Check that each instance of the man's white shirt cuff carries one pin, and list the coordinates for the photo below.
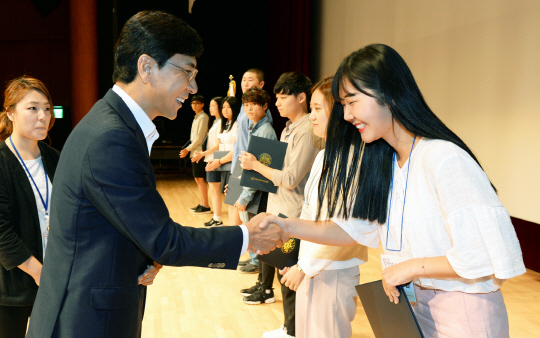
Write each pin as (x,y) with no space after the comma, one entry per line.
(245,232)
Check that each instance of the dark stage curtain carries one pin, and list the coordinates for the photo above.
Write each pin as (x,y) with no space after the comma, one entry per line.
(289,45)
(273,35)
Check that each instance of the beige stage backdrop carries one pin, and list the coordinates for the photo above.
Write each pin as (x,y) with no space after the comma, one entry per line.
(477,64)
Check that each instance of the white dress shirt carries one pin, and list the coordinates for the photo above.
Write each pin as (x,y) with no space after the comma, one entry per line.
(151,134)
(148,127)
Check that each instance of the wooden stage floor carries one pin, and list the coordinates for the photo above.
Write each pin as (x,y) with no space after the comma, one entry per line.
(205,303)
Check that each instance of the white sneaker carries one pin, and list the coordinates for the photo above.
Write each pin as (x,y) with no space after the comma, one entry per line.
(278,333)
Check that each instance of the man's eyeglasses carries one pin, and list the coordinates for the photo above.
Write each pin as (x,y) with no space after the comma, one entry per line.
(190,73)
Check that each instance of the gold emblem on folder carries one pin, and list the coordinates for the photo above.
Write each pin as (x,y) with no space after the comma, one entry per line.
(289,246)
(265,159)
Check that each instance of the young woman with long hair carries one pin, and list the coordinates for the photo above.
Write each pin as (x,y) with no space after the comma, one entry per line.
(212,144)
(325,276)
(392,168)
(230,109)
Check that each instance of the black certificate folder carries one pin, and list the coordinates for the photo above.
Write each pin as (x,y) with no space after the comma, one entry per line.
(388,320)
(269,152)
(224,166)
(285,256)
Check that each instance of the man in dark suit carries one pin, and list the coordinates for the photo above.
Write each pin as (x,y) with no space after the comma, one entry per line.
(108,222)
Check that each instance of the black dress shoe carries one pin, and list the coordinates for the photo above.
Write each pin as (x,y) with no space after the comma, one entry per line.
(242,263)
(202,210)
(212,223)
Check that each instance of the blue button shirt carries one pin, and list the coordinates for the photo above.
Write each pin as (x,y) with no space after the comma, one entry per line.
(262,129)
(242,139)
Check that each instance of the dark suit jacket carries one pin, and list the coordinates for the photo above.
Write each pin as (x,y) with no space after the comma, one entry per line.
(20,235)
(107,223)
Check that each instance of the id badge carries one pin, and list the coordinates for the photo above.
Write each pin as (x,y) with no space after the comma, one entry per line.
(306,211)
(388,260)
(46,232)
(45,237)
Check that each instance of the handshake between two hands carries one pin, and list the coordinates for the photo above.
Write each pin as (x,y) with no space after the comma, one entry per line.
(266,232)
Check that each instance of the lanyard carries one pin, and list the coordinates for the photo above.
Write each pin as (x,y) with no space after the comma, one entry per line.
(404,198)
(46,201)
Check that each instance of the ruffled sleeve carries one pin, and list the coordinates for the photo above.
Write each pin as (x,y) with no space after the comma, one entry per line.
(486,245)
(483,238)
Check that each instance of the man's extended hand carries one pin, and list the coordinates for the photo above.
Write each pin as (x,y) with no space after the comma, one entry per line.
(264,240)
(269,219)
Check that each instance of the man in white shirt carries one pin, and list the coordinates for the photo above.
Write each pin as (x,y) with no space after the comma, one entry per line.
(108,221)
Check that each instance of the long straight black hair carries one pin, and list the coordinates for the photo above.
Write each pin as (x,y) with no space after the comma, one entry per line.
(235,106)
(358,186)
(219,101)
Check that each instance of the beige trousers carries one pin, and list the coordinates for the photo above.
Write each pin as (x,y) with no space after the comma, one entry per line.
(326,304)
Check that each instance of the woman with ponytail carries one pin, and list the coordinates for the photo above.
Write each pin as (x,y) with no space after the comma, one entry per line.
(212,144)
(27,167)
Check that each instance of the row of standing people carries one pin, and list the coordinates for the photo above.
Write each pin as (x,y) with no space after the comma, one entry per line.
(319,298)
(304,134)
(253,118)
(229,132)
(453,238)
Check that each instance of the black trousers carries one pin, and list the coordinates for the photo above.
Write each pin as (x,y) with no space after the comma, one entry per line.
(266,277)
(13,321)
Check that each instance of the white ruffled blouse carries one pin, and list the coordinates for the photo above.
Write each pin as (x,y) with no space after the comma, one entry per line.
(451,210)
